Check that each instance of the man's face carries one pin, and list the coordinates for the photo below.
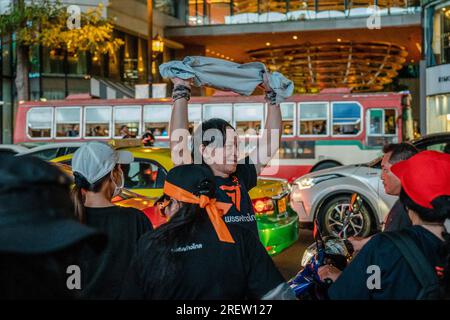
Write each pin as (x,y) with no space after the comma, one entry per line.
(392,184)
(223,158)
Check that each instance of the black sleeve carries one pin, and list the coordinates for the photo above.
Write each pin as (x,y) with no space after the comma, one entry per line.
(246,173)
(262,274)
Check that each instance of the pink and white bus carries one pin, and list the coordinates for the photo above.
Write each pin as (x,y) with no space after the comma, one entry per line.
(334,127)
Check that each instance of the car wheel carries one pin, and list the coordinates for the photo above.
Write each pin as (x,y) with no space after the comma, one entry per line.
(325,165)
(331,218)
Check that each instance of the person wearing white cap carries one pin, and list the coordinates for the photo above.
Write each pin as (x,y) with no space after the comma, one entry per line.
(98,179)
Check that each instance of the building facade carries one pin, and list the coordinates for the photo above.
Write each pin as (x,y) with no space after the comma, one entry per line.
(437,57)
(55,75)
(317,43)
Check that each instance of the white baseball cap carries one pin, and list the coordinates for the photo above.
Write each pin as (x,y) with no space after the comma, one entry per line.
(96,159)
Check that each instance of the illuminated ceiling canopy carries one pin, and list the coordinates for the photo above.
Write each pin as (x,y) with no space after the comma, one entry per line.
(362,66)
(251,6)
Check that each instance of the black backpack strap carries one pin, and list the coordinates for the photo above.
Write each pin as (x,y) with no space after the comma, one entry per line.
(419,264)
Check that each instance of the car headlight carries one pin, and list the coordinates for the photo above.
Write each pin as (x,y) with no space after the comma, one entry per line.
(307,182)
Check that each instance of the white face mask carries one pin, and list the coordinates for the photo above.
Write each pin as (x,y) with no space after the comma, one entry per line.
(117,188)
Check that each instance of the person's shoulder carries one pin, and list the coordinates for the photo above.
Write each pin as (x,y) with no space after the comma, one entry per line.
(379,241)
(131,213)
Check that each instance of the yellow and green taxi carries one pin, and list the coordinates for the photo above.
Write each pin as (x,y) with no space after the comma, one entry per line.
(277,224)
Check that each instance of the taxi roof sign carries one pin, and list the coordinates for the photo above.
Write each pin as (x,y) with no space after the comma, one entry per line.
(125,143)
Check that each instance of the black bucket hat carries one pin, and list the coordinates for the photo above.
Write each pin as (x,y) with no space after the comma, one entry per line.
(36,211)
(195,178)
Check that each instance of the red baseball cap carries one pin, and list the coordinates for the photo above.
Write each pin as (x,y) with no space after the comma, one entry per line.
(425,176)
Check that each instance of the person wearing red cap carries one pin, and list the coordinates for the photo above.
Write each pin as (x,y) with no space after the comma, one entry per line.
(414,262)
(196,255)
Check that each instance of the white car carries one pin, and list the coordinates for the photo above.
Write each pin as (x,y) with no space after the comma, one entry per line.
(52,150)
(326,193)
(12,148)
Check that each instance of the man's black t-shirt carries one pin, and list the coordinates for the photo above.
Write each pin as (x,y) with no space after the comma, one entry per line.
(208,269)
(398,282)
(235,189)
(102,277)
(397,218)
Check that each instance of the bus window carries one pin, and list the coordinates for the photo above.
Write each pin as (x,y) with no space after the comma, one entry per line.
(156,119)
(68,122)
(194,116)
(248,118)
(97,122)
(313,118)
(221,111)
(129,116)
(375,122)
(346,118)
(287,116)
(381,126)
(39,122)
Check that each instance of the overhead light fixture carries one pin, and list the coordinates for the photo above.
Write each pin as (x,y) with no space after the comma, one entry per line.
(268,44)
(339,39)
(295,37)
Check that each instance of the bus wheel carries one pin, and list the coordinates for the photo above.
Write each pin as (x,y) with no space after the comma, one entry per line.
(331,218)
(325,165)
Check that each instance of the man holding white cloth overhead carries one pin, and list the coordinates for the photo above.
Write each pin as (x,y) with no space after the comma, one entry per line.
(215,142)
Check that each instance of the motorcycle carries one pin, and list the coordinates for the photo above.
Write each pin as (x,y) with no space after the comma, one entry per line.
(336,251)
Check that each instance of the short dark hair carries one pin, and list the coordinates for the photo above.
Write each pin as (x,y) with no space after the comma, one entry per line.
(199,134)
(400,151)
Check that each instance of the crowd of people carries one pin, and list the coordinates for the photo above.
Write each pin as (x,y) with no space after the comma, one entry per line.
(209,248)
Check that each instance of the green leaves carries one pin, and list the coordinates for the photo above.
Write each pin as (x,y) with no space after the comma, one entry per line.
(45,23)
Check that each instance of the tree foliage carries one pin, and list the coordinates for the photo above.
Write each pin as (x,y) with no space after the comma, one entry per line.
(45,23)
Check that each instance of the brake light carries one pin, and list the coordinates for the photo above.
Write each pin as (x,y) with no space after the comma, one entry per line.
(263,206)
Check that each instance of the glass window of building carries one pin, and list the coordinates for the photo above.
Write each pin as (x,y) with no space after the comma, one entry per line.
(97,122)
(313,118)
(39,122)
(438,115)
(166,6)
(194,116)
(287,116)
(221,111)
(196,15)
(346,118)
(248,118)
(68,122)
(156,119)
(445,35)
(127,121)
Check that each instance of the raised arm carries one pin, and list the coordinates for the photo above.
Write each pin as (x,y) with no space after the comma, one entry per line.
(179,125)
(270,140)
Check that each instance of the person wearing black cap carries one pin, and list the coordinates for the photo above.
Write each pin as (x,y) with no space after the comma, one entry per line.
(411,263)
(196,255)
(98,179)
(39,236)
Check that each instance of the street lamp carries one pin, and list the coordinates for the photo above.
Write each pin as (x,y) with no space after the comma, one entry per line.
(157,46)
(150,45)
